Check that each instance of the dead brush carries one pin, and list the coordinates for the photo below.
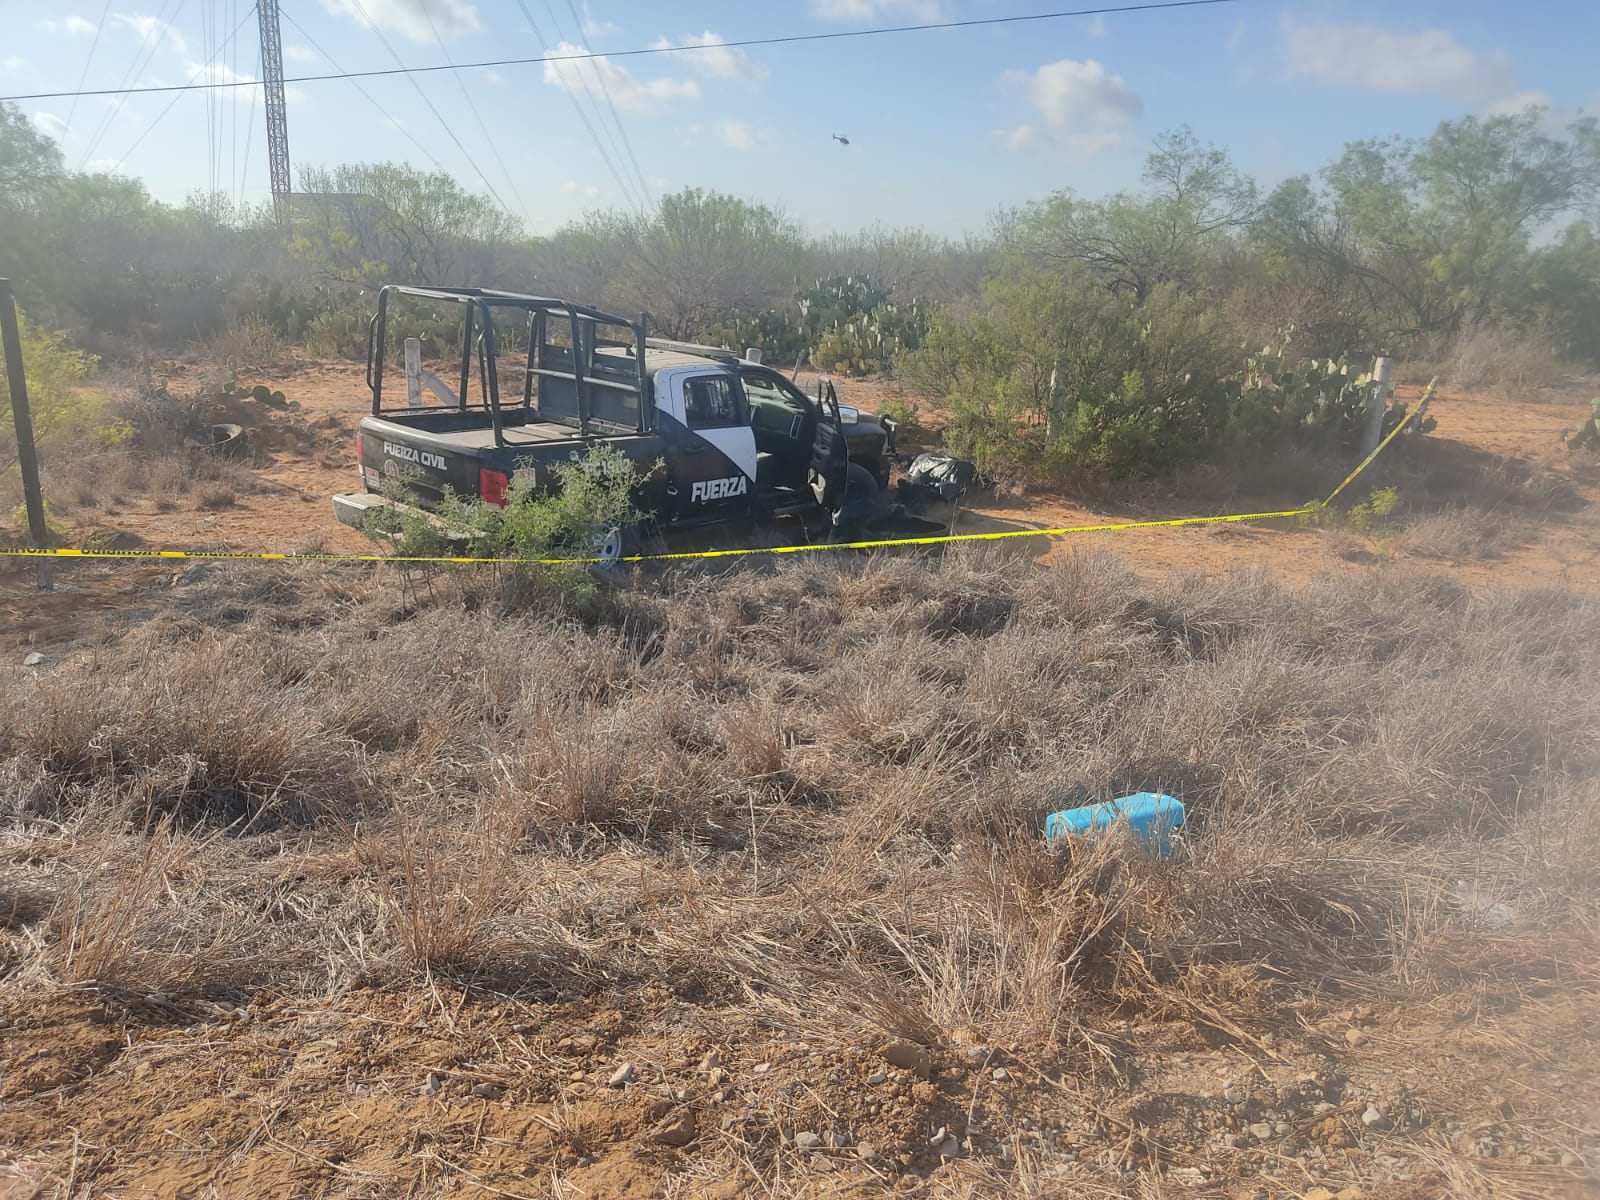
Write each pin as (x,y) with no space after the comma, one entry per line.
(1457,535)
(442,893)
(129,928)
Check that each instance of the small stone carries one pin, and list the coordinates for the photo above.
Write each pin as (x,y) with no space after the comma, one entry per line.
(623,1075)
(1354,1036)
(908,1056)
(1261,1131)
(1322,1108)
(866,1152)
(716,1077)
(1281,1128)
(488,1091)
(1001,1075)
(762,1068)
(1232,1095)
(1571,1160)
(808,1140)
(433,1084)
(1320,1193)
(837,1141)
(1373,1119)
(710,1062)
(878,1077)
(677,1131)
(33,660)
(1350,1193)
(950,1148)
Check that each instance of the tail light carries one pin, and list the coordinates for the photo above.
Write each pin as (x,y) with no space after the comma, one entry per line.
(494,487)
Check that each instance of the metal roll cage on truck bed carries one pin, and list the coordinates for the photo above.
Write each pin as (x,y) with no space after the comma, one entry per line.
(715,436)
(543,358)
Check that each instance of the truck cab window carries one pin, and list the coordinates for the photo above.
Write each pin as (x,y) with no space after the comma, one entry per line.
(711,403)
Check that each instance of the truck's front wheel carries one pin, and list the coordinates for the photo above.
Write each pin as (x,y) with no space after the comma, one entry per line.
(863,500)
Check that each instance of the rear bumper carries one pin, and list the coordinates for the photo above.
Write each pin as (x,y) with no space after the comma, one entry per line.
(352,509)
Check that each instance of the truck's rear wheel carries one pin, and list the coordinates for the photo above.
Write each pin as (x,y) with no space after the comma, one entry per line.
(617,543)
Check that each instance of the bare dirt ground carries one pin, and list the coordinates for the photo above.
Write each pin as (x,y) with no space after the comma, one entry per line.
(1472,1072)
(1550,532)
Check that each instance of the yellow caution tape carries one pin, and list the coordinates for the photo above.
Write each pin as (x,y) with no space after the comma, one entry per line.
(874,544)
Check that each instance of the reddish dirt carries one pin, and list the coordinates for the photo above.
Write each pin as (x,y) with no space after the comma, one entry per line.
(304,456)
(441,1092)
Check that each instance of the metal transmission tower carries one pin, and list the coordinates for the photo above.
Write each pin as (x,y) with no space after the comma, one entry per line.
(277,117)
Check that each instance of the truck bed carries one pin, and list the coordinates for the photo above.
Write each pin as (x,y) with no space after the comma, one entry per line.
(468,431)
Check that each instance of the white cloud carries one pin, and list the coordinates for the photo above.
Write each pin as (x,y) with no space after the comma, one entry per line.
(1518,102)
(49,123)
(151,30)
(222,73)
(301,54)
(1097,26)
(601,76)
(104,166)
(1384,60)
(715,57)
(417,19)
(594,27)
(11,63)
(737,135)
(866,10)
(72,26)
(494,76)
(1082,108)
(569,186)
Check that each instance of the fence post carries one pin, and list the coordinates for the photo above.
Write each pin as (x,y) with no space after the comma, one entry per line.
(1377,404)
(27,459)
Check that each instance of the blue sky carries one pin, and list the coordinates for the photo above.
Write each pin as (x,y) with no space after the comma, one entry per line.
(944,127)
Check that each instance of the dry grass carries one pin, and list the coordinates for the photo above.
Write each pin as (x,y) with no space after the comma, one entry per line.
(1456,535)
(811,796)
(182,479)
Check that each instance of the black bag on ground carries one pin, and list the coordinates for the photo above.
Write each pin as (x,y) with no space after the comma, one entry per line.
(935,477)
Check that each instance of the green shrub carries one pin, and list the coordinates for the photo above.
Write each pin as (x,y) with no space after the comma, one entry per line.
(61,407)
(338,333)
(592,496)
(252,344)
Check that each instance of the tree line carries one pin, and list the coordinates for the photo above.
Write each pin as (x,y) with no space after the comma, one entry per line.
(1089,329)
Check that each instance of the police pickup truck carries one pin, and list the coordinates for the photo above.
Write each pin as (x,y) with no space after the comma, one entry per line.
(717,436)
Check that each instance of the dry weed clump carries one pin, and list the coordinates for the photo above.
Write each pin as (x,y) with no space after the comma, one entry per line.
(812,790)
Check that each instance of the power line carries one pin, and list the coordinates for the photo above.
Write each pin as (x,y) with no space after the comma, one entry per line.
(785,40)
(146,48)
(87,63)
(598,68)
(577,106)
(352,77)
(173,102)
(466,95)
(451,133)
(605,88)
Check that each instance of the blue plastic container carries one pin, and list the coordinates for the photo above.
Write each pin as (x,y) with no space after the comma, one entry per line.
(1152,816)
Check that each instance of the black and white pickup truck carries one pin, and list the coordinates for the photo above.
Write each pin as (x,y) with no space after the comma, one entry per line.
(718,437)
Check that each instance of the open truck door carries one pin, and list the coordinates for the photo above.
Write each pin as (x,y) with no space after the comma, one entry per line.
(830,455)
